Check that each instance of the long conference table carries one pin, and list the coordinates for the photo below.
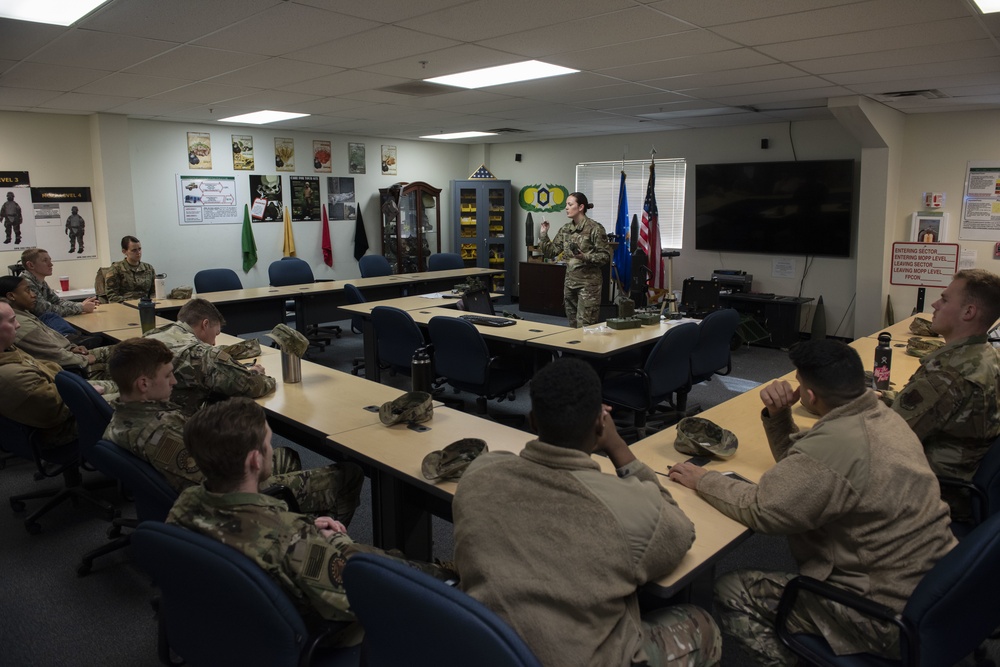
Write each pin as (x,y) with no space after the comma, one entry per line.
(335,414)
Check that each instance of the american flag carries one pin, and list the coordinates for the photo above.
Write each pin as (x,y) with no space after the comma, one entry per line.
(649,231)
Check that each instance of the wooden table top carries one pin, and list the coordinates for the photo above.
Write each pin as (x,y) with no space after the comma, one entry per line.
(109,317)
(577,341)
(520,331)
(900,331)
(225,296)
(416,302)
(903,365)
(468,271)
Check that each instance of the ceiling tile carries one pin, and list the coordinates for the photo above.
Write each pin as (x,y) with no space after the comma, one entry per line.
(342,83)
(915,55)
(650,50)
(444,61)
(275,72)
(176,20)
(697,64)
(48,77)
(131,85)
(25,97)
(206,93)
(90,103)
(924,70)
(19,39)
(704,13)
(367,48)
(195,62)
(99,50)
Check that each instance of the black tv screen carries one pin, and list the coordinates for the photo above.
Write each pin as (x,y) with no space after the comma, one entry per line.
(787,208)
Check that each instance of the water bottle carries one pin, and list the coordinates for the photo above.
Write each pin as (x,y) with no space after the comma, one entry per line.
(147,314)
(883,360)
(421,374)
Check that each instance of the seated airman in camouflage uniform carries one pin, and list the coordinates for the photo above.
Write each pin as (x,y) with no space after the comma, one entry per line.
(583,244)
(231,444)
(952,402)
(146,423)
(854,495)
(130,278)
(558,548)
(202,370)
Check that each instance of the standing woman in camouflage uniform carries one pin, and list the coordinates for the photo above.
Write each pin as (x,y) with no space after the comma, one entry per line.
(130,278)
(583,245)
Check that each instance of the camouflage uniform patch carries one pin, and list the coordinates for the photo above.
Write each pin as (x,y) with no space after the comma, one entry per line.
(582,290)
(681,636)
(124,281)
(746,602)
(203,371)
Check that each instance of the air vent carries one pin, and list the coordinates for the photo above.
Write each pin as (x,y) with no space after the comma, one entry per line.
(419,89)
(506,130)
(929,94)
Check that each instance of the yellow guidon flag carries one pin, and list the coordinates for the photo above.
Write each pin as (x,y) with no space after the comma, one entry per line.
(288,247)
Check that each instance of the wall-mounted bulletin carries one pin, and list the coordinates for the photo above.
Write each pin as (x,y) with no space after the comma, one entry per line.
(207,200)
(342,200)
(321,157)
(389,160)
(355,158)
(981,208)
(242,152)
(305,197)
(199,150)
(284,153)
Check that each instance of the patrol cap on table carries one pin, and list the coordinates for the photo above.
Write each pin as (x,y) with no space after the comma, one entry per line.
(701,437)
(245,349)
(289,340)
(413,406)
(921,327)
(451,462)
(921,347)
(182,292)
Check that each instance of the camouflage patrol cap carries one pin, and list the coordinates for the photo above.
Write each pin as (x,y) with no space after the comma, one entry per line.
(182,292)
(701,437)
(921,347)
(246,349)
(413,406)
(921,327)
(449,463)
(289,340)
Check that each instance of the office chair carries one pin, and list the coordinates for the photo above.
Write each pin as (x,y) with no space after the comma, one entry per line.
(152,494)
(295,271)
(951,611)
(463,360)
(218,607)
(100,284)
(397,337)
(712,355)
(354,295)
(667,371)
(444,261)
(983,490)
(412,619)
(63,460)
(216,280)
(374,265)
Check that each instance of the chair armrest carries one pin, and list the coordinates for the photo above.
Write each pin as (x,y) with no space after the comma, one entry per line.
(978,499)
(282,492)
(908,636)
(328,630)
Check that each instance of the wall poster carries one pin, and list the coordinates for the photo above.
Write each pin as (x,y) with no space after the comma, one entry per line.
(981,202)
(284,153)
(242,152)
(16,211)
(389,160)
(208,200)
(355,158)
(266,197)
(305,197)
(321,156)
(341,198)
(199,150)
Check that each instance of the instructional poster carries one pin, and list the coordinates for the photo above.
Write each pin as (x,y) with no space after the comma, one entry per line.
(208,200)
(981,202)
(16,211)
(64,222)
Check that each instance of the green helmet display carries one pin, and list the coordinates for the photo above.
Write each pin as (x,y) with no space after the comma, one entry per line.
(701,437)
(449,463)
(921,327)
(921,347)
(411,407)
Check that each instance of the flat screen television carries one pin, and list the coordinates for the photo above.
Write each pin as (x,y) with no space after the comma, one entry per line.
(787,208)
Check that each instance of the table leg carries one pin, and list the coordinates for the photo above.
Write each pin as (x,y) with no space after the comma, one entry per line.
(397,521)
(372,370)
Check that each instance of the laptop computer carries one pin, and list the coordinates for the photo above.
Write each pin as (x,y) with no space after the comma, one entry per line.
(478,301)
(699,298)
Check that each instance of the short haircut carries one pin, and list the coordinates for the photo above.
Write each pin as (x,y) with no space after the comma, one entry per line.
(219,438)
(832,370)
(983,289)
(128,239)
(565,401)
(31,255)
(136,357)
(9,284)
(196,310)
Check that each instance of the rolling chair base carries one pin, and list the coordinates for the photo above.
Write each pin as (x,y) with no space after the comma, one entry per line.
(74,490)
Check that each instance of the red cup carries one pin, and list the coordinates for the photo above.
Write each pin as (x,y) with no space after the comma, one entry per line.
(64,283)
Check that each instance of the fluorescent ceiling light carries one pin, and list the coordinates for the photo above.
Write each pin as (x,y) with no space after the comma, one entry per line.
(495,76)
(57,12)
(459,135)
(262,117)
(988,6)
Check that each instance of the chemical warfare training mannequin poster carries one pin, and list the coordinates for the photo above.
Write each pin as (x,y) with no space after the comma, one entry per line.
(64,222)
(16,212)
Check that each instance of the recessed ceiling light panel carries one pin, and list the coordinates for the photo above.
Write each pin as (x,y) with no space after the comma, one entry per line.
(262,117)
(988,6)
(459,135)
(56,12)
(496,76)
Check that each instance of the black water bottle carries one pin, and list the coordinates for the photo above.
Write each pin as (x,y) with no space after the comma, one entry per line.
(421,375)
(883,361)
(147,314)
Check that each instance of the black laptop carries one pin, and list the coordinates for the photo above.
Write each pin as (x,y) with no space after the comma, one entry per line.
(699,298)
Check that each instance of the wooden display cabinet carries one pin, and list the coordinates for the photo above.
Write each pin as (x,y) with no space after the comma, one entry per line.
(411,225)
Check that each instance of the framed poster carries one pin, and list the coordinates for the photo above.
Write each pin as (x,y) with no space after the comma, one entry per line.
(321,156)
(389,160)
(207,200)
(928,227)
(242,152)
(284,153)
(341,198)
(266,198)
(355,158)
(16,210)
(199,150)
(64,218)
(305,197)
